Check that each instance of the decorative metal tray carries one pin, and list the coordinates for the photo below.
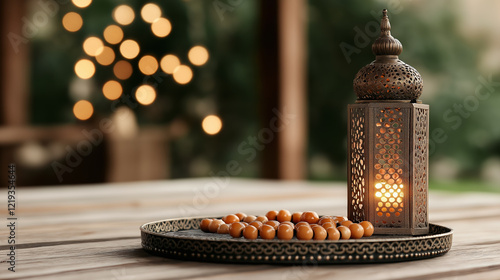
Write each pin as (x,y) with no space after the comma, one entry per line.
(182,239)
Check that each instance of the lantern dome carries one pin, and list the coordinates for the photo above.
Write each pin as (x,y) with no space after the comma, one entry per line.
(387,77)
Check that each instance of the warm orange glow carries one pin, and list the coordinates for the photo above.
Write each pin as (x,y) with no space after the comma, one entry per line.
(83,110)
(123,14)
(211,124)
(106,57)
(183,74)
(198,55)
(129,49)
(112,90)
(81,3)
(148,65)
(72,22)
(161,27)
(169,62)
(150,12)
(93,46)
(145,94)
(122,70)
(390,196)
(84,69)
(113,34)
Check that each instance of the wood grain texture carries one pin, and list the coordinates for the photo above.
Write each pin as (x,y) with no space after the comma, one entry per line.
(92,231)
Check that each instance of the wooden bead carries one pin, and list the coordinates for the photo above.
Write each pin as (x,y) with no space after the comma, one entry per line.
(345,232)
(229,219)
(304,232)
(235,229)
(271,215)
(267,232)
(368,227)
(310,217)
(204,224)
(214,225)
(357,231)
(250,232)
(284,216)
(285,232)
(319,233)
(333,233)
(296,217)
(223,229)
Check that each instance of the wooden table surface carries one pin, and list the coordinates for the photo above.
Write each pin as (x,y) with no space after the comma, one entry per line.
(92,231)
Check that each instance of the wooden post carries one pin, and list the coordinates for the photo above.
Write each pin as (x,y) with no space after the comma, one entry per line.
(14,65)
(269,75)
(282,73)
(13,75)
(293,68)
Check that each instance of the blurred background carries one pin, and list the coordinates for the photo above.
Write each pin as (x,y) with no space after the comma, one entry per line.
(113,91)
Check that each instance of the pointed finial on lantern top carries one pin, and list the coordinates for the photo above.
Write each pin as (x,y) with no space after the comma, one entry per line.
(386,44)
(387,77)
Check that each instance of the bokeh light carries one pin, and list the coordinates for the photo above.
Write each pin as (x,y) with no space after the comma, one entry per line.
(122,70)
(145,94)
(93,46)
(106,57)
(129,49)
(113,34)
(72,22)
(169,62)
(81,3)
(183,74)
(198,55)
(211,124)
(161,27)
(148,65)
(112,90)
(84,69)
(150,12)
(123,14)
(83,110)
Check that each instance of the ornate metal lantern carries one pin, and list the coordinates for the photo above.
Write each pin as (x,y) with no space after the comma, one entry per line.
(388,135)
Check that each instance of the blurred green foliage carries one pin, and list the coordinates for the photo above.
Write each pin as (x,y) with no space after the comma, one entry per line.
(226,85)
(434,45)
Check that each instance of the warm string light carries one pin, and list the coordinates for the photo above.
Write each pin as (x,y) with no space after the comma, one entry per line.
(169,62)
(112,90)
(150,12)
(123,15)
(148,65)
(130,49)
(106,57)
(122,70)
(198,55)
(211,124)
(145,94)
(83,110)
(161,27)
(81,3)
(84,69)
(93,46)
(183,74)
(113,34)
(72,22)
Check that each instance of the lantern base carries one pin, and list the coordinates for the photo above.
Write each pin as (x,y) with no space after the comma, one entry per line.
(388,166)
(401,231)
